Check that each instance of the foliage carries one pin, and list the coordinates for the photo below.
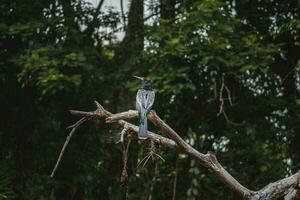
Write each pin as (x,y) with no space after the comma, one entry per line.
(60,55)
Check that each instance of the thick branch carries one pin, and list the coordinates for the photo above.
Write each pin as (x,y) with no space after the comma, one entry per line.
(277,189)
(101,112)
(130,114)
(209,160)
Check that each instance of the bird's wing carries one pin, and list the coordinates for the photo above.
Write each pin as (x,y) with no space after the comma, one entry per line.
(140,96)
(149,99)
(144,100)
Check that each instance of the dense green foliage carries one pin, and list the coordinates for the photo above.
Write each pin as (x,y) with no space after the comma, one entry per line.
(57,55)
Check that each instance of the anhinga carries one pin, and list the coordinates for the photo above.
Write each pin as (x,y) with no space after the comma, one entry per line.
(144,102)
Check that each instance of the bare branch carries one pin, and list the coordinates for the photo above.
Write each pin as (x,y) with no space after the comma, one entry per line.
(152,136)
(222,107)
(231,122)
(86,116)
(293,194)
(229,95)
(81,113)
(221,110)
(101,112)
(130,114)
(74,127)
(277,189)
(124,174)
(209,160)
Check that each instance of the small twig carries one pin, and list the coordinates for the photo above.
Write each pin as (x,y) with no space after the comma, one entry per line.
(145,158)
(229,95)
(152,148)
(74,127)
(78,123)
(288,74)
(151,151)
(151,154)
(122,134)
(221,97)
(99,112)
(124,175)
(160,157)
(231,122)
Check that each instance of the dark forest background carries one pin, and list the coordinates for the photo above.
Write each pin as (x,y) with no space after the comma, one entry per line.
(57,55)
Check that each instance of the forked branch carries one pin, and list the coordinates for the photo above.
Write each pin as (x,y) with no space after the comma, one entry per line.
(287,187)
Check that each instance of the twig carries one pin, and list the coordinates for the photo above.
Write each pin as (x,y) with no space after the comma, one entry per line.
(221,99)
(74,127)
(124,175)
(99,112)
(231,122)
(288,74)
(229,95)
(221,110)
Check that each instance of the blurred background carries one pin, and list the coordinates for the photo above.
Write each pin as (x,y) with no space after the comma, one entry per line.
(226,75)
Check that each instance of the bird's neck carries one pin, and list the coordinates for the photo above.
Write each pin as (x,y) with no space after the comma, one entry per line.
(146,87)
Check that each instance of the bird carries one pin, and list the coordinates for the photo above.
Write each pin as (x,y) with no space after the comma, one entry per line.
(144,101)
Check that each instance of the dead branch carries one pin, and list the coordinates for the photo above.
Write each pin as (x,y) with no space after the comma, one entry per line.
(208,160)
(74,127)
(293,194)
(221,100)
(221,110)
(130,114)
(278,188)
(124,174)
(229,95)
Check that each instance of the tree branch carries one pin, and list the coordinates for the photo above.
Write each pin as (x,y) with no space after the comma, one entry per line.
(277,189)
(209,160)
(130,114)
(73,127)
(293,194)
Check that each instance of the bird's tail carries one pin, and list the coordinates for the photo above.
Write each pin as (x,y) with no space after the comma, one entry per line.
(143,128)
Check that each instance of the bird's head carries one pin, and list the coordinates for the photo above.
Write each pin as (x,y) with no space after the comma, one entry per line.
(146,83)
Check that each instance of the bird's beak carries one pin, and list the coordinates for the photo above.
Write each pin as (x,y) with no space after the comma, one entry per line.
(138,77)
